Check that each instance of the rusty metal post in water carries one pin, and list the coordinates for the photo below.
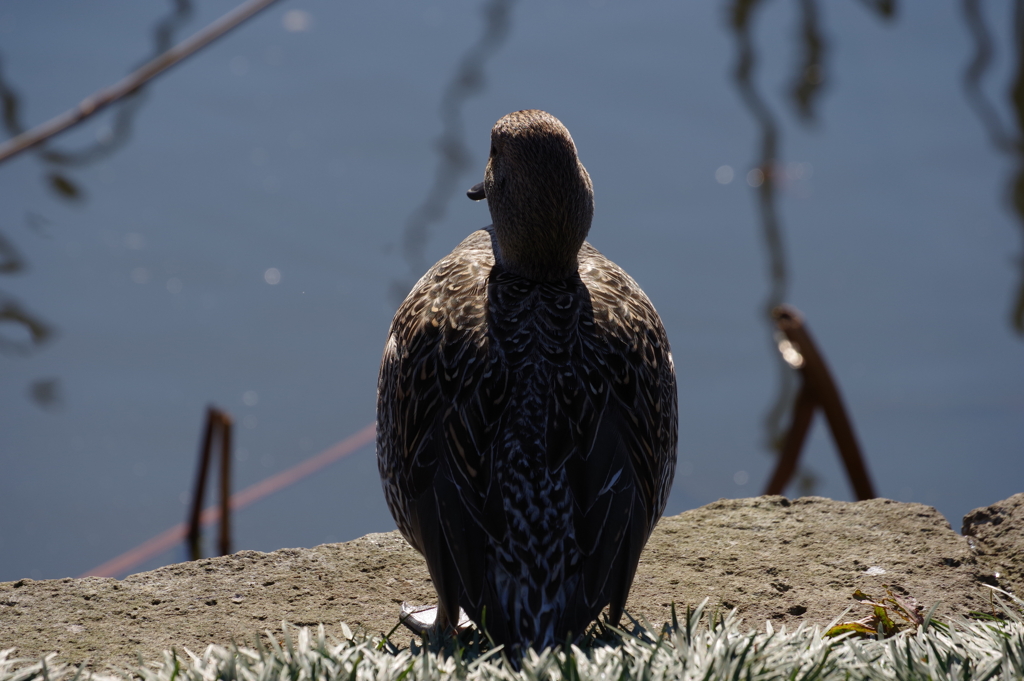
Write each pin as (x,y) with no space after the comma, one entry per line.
(217,422)
(818,390)
(225,484)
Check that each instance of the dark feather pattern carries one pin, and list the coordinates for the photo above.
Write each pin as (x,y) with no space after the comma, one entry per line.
(526,436)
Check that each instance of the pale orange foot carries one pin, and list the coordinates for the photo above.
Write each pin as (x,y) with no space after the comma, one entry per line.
(422,619)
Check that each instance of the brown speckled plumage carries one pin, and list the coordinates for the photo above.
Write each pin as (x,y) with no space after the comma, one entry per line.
(526,409)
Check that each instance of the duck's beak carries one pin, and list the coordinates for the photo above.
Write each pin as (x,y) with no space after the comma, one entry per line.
(476,192)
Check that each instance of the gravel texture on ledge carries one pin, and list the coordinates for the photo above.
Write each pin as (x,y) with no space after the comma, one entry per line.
(789,562)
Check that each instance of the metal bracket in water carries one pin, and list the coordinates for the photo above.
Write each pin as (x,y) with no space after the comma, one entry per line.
(817,390)
(217,422)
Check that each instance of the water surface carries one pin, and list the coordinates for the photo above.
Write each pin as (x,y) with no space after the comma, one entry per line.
(136,251)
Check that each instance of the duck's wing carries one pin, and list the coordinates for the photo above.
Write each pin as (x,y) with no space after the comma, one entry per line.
(621,472)
(439,408)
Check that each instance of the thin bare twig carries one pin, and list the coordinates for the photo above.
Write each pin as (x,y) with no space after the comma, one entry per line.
(103,98)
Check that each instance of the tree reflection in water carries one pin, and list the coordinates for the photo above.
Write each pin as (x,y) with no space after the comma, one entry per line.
(807,86)
(453,163)
(22,331)
(1010,143)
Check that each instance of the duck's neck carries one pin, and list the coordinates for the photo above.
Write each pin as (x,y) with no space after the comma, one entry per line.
(542,249)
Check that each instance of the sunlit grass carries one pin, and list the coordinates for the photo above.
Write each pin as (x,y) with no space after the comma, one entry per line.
(695,646)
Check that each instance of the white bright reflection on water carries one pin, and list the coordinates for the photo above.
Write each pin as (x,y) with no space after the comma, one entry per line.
(900,249)
(297,20)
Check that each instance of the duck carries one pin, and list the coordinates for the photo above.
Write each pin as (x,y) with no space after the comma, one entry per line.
(527,416)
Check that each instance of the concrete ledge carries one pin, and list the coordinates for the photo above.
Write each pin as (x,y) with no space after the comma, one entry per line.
(787,561)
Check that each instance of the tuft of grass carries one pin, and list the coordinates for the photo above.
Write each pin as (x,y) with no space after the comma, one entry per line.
(694,646)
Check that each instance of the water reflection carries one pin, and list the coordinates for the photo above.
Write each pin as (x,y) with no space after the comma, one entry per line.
(28,333)
(111,137)
(1010,143)
(810,77)
(10,260)
(808,84)
(46,393)
(454,156)
(21,330)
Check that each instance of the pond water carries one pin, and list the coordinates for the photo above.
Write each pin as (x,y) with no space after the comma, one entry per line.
(240,235)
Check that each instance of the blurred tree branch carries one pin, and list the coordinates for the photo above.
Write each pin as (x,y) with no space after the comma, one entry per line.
(132,82)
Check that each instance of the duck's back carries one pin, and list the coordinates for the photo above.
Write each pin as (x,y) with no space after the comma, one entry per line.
(526,438)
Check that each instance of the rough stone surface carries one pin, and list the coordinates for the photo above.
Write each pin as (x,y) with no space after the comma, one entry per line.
(996,534)
(101,621)
(800,561)
(773,559)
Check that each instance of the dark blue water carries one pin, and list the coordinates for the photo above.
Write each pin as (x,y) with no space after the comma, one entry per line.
(306,141)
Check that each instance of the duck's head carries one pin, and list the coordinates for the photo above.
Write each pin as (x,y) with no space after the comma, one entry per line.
(539,194)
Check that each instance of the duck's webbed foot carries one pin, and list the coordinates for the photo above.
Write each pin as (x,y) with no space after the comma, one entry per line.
(423,620)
